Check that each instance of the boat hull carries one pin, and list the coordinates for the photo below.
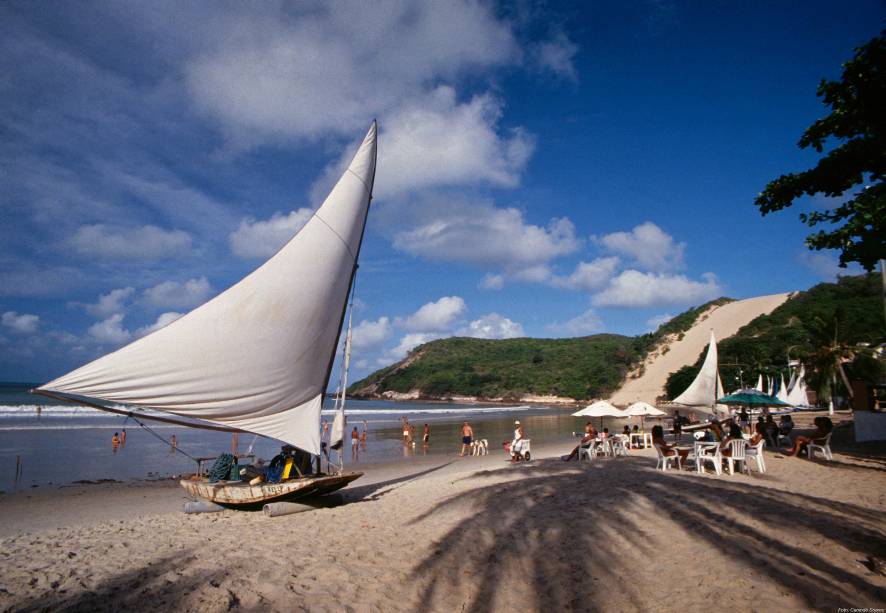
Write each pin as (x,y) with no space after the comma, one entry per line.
(242,495)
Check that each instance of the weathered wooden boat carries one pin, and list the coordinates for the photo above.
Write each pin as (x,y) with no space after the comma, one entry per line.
(238,494)
(256,358)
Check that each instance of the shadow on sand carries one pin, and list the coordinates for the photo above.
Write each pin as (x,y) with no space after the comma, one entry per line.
(558,525)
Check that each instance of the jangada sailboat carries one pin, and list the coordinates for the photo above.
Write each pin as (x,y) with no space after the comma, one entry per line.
(257,357)
(706,388)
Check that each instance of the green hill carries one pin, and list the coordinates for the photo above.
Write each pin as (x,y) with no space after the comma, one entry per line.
(853,304)
(579,368)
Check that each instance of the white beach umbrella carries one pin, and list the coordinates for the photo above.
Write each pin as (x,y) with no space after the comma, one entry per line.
(642,410)
(600,409)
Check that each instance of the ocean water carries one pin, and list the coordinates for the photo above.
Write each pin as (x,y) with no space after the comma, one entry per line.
(64,442)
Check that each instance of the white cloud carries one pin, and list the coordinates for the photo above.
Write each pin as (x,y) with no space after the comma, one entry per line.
(589,275)
(556,55)
(162,321)
(173,294)
(532,274)
(581,325)
(407,343)
(648,246)
(110,331)
(438,141)
(140,243)
(826,265)
(491,281)
(492,325)
(482,234)
(262,239)
(633,288)
(369,335)
(23,323)
(435,316)
(653,323)
(110,303)
(312,70)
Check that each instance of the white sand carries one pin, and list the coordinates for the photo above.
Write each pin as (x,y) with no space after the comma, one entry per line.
(475,534)
(724,320)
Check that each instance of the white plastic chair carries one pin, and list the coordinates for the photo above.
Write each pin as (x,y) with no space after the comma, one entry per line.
(824,448)
(664,460)
(619,445)
(708,453)
(738,447)
(603,448)
(756,452)
(586,451)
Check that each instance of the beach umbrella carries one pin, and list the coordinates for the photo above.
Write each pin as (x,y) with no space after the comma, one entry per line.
(752,398)
(642,410)
(600,409)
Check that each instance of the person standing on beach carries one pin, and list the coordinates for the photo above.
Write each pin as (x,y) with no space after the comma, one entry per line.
(467,436)
(123,438)
(355,443)
(363,435)
(173,443)
(678,425)
(406,430)
(324,440)
(115,441)
(39,411)
(426,435)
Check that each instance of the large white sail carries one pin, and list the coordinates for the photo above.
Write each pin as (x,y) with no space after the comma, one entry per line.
(707,387)
(256,357)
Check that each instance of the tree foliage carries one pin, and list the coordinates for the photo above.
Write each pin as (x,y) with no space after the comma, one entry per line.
(857,227)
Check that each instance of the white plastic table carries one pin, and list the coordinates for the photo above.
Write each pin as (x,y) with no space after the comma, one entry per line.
(645,439)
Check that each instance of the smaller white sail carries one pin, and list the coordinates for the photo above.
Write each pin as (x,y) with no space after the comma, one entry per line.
(703,392)
(782,393)
(792,382)
(338,424)
(759,386)
(797,395)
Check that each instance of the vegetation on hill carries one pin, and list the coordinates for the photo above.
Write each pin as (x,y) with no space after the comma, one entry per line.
(580,368)
(852,307)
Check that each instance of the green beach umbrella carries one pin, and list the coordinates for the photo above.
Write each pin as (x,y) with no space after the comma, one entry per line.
(752,398)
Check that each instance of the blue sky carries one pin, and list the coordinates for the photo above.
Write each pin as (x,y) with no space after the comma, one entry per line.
(545,169)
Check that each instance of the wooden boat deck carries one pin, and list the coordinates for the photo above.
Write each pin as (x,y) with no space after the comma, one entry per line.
(241,494)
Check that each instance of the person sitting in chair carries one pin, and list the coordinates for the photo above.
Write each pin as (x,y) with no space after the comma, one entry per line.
(734,435)
(785,425)
(666,449)
(823,427)
(586,440)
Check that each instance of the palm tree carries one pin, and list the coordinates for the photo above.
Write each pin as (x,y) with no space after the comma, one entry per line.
(828,357)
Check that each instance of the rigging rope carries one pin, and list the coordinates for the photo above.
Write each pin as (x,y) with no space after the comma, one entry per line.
(151,431)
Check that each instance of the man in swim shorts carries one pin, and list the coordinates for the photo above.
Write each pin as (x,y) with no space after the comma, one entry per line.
(467,435)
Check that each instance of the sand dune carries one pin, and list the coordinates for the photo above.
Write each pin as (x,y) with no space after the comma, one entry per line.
(724,320)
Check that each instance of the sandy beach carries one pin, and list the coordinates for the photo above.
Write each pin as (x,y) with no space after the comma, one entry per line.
(472,534)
